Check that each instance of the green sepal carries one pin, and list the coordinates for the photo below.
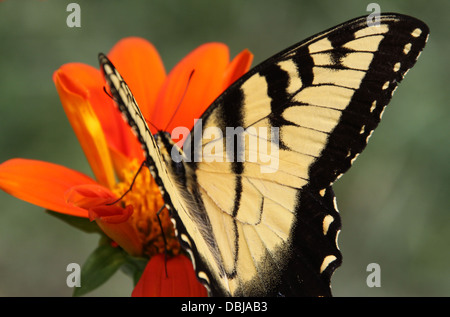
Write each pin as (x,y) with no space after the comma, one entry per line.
(99,267)
(80,223)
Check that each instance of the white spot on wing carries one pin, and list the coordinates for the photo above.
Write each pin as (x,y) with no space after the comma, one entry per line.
(327,220)
(397,66)
(353,159)
(381,114)
(174,222)
(328,259)
(335,204)
(337,238)
(416,32)
(374,104)
(370,134)
(203,276)
(406,48)
(362,129)
(186,239)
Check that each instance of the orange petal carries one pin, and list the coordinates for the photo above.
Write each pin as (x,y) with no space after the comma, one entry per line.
(180,281)
(238,67)
(142,68)
(89,195)
(43,184)
(112,219)
(187,97)
(110,214)
(98,199)
(122,162)
(75,84)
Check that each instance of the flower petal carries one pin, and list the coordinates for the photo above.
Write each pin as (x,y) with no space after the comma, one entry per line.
(141,66)
(180,281)
(238,67)
(99,201)
(111,214)
(89,195)
(188,97)
(76,84)
(112,219)
(43,184)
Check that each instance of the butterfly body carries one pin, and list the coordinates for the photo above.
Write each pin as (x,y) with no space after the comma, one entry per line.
(265,223)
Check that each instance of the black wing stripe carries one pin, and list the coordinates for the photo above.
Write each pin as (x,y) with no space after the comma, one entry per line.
(359,114)
(305,65)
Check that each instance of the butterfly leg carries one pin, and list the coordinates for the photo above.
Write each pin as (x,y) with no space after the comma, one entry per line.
(164,238)
(144,163)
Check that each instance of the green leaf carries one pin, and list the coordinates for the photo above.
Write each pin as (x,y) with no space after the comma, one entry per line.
(99,267)
(134,267)
(81,223)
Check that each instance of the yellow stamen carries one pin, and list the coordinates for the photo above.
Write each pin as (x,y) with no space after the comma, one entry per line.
(147,201)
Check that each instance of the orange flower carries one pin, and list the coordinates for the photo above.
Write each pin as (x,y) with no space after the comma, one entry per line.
(113,151)
(180,280)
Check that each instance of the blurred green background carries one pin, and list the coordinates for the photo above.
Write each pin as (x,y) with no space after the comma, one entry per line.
(394,202)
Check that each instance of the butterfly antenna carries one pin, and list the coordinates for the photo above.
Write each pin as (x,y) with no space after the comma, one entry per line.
(164,238)
(149,122)
(144,163)
(112,97)
(181,100)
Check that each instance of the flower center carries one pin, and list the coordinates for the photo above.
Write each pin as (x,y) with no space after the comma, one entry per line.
(146,200)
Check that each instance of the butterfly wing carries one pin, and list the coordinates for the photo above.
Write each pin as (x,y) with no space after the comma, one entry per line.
(276,216)
(268,224)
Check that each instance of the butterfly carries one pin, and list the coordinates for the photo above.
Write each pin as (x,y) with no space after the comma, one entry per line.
(265,223)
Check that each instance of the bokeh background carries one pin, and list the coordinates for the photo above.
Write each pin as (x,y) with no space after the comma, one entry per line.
(394,202)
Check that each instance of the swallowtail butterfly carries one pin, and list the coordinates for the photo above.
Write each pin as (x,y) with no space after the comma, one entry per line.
(253,231)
